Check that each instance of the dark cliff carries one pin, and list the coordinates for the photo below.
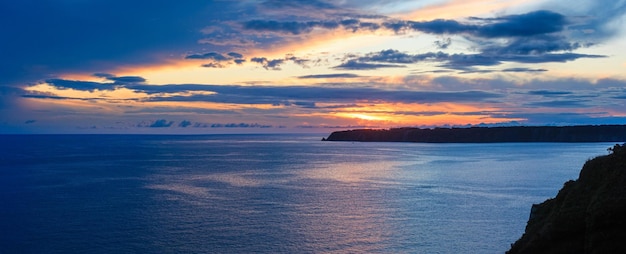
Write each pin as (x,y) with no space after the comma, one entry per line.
(586,216)
(584,133)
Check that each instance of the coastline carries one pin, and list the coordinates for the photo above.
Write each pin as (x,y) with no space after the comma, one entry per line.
(580,133)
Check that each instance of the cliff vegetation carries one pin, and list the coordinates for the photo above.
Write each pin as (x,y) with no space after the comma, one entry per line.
(586,216)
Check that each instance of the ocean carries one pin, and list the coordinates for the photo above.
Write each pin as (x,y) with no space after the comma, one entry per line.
(272,193)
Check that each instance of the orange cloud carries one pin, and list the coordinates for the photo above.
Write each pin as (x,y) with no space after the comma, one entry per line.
(460,8)
(413,114)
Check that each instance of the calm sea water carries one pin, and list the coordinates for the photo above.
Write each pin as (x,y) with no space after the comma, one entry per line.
(272,193)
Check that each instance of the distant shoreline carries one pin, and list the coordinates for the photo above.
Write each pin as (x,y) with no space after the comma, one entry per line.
(579,133)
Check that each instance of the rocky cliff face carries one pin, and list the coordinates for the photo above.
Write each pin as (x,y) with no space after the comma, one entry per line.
(587,215)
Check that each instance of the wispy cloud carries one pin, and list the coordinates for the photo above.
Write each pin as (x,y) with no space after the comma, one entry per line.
(326,76)
(356,65)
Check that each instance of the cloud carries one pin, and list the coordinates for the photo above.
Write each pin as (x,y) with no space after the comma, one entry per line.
(184,123)
(326,76)
(528,24)
(213,65)
(81,85)
(559,104)
(300,96)
(225,125)
(501,98)
(521,69)
(297,60)
(594,118)
(127,79)
(298,4)
(356,65)
(103,75)
(211,55)
(304,27)
(444,43)
(268,64)
(521,25)
(548,93)
(235,55)
(571,92)
(292,27)
(463,62)
(95,36)
(534,45)
(395,56)
(131,34)
(534,37)
(274,64)
(218,60)
(161,123)
(239,125)
(303,95)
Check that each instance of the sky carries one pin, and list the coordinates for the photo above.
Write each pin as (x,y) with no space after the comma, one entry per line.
(269,66)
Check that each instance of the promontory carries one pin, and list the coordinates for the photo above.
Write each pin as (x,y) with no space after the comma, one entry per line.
(579,133)
(586,216)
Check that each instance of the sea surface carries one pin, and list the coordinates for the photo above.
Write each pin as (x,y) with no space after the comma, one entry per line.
(272,193)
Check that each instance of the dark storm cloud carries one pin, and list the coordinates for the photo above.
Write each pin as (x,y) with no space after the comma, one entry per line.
(322,76)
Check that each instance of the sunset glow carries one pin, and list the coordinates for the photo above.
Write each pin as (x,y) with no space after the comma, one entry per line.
(307,66)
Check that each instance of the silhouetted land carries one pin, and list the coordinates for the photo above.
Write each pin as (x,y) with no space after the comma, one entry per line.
(582,133)
(586,216)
